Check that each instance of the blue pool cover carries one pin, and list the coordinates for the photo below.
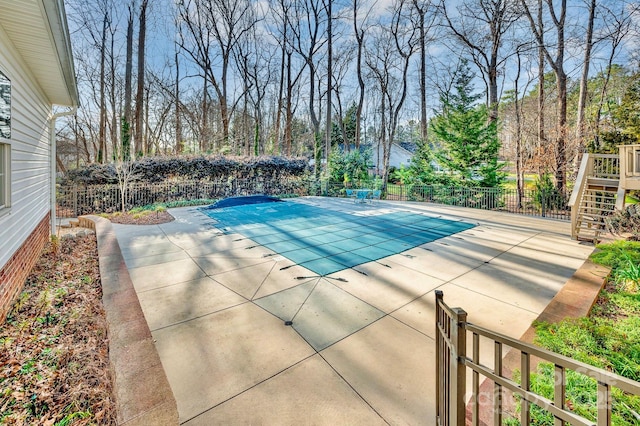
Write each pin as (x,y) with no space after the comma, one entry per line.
(327,241)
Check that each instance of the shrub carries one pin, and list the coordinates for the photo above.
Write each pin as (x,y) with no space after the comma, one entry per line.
(545,195)
(626,221)
(158,169)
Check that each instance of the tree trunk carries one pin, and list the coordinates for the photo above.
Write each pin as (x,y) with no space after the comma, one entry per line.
(289,112)
(126,126)
(103,103)
(360,39)
(317,155)
(423,76)
(582,99)
(179,145)
(113,101)
(139,147)
(561,150)
(493,85)
(204,128)
(519,168)
(327,147)
(541,90)
(276,131)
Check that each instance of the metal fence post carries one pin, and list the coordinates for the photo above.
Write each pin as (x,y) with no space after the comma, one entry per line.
(75,200)
(451,348)
(457,409)
(439,347)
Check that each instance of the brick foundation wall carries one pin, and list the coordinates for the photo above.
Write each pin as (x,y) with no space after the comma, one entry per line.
(14,273)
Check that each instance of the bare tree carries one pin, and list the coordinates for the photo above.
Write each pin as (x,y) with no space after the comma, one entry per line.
(179,143)
(327,147)
(306,23)
(388,61)
(126,120)
(211,31)
(359,31)
(280,10)
(582,97)
(555,58)
(542,138)
(422,8)
(481,26)
(617,24)
(139,112)
(342,67)
(102,141)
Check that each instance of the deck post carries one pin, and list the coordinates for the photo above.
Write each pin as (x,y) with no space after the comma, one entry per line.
(458,370)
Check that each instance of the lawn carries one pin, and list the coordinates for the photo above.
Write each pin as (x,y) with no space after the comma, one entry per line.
(608,338)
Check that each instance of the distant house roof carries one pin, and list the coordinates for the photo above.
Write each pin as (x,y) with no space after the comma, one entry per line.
(409,146)
(398,156)
(38,31)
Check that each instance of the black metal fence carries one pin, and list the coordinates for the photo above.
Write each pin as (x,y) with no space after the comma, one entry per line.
(529,202)
(78,200)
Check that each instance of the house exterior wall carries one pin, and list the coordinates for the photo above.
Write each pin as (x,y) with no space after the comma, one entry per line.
(397,157)
(21,225)
(14,273)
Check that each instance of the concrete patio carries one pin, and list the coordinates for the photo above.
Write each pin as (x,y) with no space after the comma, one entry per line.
(360,346)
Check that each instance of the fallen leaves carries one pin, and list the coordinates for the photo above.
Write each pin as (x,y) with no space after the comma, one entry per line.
(54,363)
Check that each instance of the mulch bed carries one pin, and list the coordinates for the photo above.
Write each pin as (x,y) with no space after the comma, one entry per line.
(54,348)
(145,218)
(54,359)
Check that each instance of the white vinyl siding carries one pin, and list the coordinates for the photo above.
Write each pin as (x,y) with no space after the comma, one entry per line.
(5,174)
(5,147)
(28,172)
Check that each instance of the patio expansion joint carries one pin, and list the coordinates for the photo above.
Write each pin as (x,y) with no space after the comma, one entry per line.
(197,317)
(266,379)
(353,388)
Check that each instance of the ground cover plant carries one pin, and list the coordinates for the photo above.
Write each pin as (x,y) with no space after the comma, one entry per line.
(154,214)
(608,338)
(54,365)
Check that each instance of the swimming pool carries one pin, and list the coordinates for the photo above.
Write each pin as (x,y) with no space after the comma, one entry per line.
(327,241)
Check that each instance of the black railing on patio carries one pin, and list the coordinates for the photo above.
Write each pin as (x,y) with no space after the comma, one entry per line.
(529,202)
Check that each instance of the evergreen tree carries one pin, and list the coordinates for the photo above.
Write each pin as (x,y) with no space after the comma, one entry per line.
(627,113)
(349,166)
(349,123)
(468,140)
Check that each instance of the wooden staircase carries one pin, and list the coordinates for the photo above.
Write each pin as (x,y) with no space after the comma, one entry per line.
(600,188)
(598,201)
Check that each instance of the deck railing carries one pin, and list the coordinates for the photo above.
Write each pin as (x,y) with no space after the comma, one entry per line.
(630,170)
(604,166)
(454,361)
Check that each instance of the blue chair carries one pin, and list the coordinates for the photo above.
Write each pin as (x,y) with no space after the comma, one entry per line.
(350,193)
(375,195)
(362,195)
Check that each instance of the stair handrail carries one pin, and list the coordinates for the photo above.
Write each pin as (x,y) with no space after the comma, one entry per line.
(585,170)
(630,160)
